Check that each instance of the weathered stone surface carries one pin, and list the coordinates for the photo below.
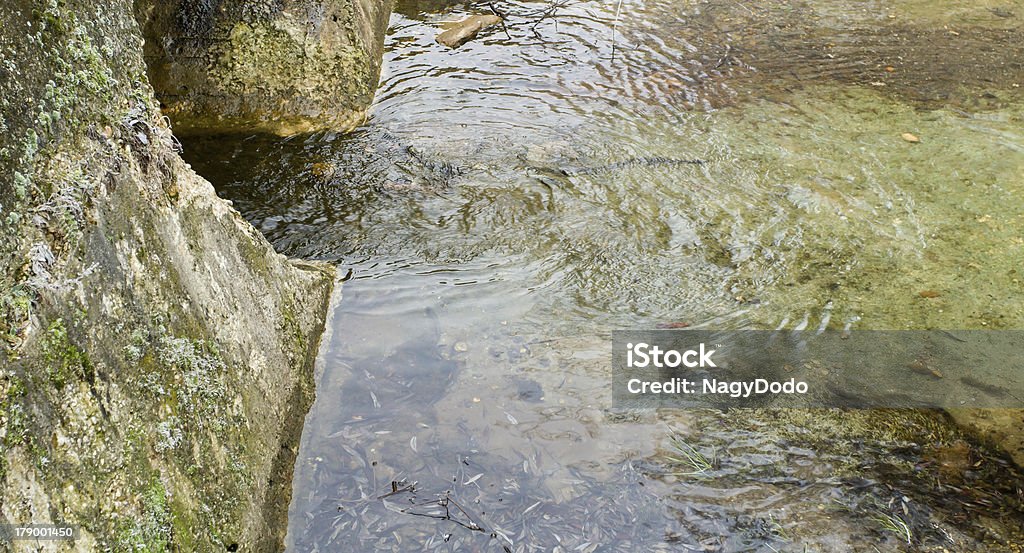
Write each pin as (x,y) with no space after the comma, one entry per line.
(280,66)
(461,32)
(156,356)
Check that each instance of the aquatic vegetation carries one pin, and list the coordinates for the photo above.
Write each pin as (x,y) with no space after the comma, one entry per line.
(894,524)
(694,462)
(777,528)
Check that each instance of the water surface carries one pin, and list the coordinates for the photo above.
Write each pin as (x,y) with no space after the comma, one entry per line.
(597,165)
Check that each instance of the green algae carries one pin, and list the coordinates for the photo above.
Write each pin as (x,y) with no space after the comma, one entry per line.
(65,362)
(151,531)
(254,67)
(881,220)
(95,177)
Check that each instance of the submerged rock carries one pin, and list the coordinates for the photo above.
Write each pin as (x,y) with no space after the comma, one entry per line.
(461,32)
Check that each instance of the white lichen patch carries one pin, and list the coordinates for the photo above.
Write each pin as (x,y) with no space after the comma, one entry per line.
(169,434)
(136,348)
(199,372)
(114,408)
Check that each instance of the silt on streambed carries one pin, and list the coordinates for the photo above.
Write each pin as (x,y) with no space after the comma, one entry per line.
(510,203)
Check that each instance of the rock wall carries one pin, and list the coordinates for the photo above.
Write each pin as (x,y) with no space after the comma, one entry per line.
(280,66)
(156,354)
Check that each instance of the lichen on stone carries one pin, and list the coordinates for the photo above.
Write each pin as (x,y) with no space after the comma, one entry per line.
(128,401)
(285,66)
(151,531)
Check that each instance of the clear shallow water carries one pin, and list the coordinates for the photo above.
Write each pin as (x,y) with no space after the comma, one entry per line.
(510,203)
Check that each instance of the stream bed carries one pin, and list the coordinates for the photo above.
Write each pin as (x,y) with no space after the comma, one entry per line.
(595,166)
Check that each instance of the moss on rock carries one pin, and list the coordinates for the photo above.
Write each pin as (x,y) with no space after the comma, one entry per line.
(281,67)
(157,353)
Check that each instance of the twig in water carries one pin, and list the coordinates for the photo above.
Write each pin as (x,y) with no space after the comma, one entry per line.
(399,487)
(546,13)
(445,502)
(503,18)
(615,26)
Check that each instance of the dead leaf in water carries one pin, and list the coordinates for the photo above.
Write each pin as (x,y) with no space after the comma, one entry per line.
(922,367)
(913,139)
(952,460)
(929,294)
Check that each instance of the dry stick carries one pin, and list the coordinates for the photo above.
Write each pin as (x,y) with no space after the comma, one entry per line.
(395,489)
(615,25)
(725,58)
(444,502)
(502,17)
(446,516)
(744,7)
(546,14)
(448,499)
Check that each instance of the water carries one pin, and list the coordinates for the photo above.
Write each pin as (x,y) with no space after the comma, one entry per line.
(510,203)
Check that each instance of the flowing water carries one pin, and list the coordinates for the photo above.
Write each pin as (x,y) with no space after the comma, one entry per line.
(602,165)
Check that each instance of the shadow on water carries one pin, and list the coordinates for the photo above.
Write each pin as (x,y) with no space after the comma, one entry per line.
(719,164)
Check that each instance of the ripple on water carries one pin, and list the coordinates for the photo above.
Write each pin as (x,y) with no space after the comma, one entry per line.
(509,203)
